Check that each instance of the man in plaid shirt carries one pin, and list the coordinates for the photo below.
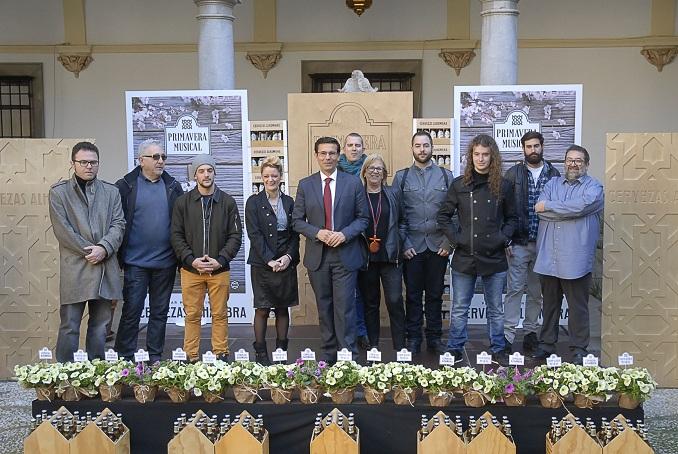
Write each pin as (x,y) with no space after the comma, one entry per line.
(528,179)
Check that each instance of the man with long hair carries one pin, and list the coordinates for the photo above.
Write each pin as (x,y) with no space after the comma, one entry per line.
(484,204)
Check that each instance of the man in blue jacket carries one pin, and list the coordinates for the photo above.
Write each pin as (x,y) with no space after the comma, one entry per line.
(148,194)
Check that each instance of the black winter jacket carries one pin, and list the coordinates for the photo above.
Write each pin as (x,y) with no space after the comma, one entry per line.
(127,186)
(262,230)
(517,176)
(225,229)
(484,228)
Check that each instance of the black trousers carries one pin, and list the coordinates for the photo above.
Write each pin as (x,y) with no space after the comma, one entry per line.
(424,274)
(370,282)
(577,293)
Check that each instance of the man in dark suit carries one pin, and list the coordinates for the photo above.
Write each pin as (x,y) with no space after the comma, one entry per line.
(331,212)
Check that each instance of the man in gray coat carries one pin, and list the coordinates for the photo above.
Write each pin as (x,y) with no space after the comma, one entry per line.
(88,223)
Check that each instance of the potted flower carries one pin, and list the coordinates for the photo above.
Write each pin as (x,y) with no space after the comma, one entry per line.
(634,385)
(209,380)
(172,377)
(594,385)
(307,375)
(479,387)
(340,381)
(76,380)
(406,380)
(109,378)
(247,377)
(440,385)
(515,386)
(280,380)
(376,381)
(140,378)
(42,377)
(552,385)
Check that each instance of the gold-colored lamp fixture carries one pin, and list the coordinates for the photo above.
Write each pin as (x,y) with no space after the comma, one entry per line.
(358,6)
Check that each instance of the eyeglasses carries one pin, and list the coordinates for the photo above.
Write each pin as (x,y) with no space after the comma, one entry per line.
(324,154)
(576,162)
(156,157)
(84,163)
(375,169)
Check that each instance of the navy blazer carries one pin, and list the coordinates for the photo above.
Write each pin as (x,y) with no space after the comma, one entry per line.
(351,218)
(262,229)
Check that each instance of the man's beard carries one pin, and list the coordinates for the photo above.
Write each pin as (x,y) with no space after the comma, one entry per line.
(571,175)
(533,158)
(427,159)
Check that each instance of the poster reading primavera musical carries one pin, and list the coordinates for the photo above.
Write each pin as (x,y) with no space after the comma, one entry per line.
(506,112)
(191,122)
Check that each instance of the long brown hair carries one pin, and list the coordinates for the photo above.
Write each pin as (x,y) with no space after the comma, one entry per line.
(494,177)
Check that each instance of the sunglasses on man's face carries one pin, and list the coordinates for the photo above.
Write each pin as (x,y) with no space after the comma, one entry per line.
(156,157)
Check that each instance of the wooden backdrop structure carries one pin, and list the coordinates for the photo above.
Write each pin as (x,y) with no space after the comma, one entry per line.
(29,253)
(640,268)
(383,119)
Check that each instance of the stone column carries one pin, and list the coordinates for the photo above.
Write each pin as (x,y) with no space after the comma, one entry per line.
(216,54)
(499,47)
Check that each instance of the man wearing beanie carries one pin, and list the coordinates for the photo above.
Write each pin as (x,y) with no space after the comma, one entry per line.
(206,236)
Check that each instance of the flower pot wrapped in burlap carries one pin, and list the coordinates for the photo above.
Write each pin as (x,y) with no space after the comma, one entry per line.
(515,400)
(310,394)
(144,393)
(550,399)
(404,396)
(374,397)
(440,398)
(281,396)
(110,393)
(213,397)
(245,394)
(474,399)
(628,402)
(45,393)
(342,396)
(71,394)
(584,401)
(178,395)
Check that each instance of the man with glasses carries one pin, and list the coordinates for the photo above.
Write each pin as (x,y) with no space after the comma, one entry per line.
(422,190)
(330,210)
(569,210)
(148,194)
(88,224)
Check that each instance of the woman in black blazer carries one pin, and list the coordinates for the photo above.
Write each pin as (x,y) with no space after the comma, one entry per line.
(274,255)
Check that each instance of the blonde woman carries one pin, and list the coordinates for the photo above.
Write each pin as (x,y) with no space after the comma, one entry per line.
(383,239)
(274,255)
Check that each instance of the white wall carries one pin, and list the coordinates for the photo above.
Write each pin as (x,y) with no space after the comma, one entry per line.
(31,22)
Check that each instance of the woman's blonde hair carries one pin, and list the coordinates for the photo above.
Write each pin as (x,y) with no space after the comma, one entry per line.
(272,162)
(369,160)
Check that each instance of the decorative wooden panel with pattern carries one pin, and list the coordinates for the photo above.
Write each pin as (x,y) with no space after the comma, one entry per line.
(383,119)
(640,268)
(29,254)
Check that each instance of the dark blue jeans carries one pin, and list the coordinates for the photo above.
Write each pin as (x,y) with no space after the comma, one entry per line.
(463,288)
(69,329)
(424,274)
(361,328)
(139,282)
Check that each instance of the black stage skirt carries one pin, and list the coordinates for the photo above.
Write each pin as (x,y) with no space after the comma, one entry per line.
(272,290)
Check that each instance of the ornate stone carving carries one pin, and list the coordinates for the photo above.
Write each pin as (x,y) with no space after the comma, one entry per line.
(357,83)
(660,56)
(264,62)
(457,59)
(75,63)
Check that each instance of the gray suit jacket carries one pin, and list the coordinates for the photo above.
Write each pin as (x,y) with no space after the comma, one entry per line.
(350,218)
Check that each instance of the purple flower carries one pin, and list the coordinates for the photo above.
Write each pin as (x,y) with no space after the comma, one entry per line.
(290,374)
(509,389)
(322,364)
(317,373)
(124,372)
(299,361)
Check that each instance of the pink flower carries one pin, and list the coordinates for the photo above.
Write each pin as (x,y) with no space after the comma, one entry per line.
(124,372)
(322,364)
(509,389)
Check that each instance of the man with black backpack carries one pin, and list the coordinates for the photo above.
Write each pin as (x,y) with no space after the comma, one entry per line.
(421,189)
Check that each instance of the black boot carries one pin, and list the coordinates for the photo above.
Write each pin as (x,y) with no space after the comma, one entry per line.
(282,344)
(261,353)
